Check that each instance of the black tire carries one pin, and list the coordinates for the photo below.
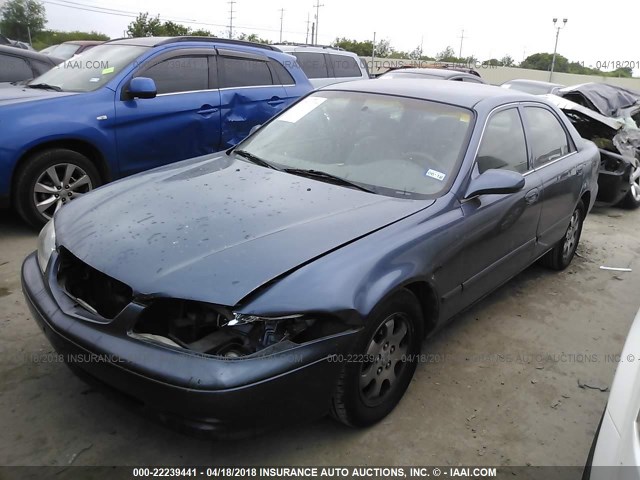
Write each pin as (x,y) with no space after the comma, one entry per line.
(631,200)
(560,256)
(358,406)
(35,168)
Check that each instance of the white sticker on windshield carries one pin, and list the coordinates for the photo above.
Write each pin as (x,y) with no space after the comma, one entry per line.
(435,174)
(94,79)
(301,109)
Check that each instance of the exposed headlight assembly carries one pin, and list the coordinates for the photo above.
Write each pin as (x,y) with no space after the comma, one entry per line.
(46,244)
(215,330)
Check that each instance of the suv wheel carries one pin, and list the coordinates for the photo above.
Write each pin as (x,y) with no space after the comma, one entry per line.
(49,180)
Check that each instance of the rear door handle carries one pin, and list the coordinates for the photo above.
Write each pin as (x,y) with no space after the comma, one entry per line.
(532,196)
(275,101)
(207,109)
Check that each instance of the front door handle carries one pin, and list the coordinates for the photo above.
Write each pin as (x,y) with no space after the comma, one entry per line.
(532,196)
(275,101)
(207,109)
(579,169)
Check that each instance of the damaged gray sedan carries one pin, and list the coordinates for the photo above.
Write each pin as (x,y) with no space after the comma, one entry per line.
(297,273)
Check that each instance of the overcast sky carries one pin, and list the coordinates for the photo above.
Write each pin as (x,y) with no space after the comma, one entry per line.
(491,28)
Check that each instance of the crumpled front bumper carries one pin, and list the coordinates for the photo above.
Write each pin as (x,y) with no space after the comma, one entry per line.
(196,391)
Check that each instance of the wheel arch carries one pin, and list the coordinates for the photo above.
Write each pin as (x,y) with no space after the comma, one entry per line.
(81,146)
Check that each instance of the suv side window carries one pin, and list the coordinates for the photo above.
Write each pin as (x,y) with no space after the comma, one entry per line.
(547,137)
(344,66)
(503,144)
(280,73)
(14,69)
(179,74)
(243,72)
(314,65)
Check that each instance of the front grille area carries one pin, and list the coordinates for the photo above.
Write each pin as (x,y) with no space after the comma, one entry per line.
(95,291)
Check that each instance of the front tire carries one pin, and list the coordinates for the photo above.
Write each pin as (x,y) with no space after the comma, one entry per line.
(49,180)
(560,256)
(379,369)
(632,199)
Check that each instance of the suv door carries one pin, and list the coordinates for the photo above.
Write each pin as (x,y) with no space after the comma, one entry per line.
(249,93)
(182,121)
(555,160)
(502,227)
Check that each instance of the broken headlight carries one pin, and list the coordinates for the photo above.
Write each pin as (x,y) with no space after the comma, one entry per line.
(215,330)
(46,244)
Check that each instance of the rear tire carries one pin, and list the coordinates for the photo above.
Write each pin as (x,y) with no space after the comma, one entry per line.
(560,256)
(47,178)
(377,372)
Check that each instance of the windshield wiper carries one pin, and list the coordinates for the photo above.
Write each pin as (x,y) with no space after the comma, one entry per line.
(45,86)
(255,159)
(326,176)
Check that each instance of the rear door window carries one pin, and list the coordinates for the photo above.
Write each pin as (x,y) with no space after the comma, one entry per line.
(243,72)
(547,137)
(314,65)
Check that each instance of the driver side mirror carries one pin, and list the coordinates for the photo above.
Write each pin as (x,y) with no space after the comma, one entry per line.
(142,87)
(254,129)
(495,181)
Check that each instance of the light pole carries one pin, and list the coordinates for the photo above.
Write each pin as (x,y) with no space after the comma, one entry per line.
(555,49)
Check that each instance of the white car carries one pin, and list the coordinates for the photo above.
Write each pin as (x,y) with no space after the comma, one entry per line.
(617,441)
(327,65)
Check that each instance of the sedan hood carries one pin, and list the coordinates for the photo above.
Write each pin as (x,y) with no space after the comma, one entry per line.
(12,94)
(216,228)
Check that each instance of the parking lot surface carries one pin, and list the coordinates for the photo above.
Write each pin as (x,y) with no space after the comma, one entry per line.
(499,386)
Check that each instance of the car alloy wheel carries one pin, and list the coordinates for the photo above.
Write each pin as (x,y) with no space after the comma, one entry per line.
(571,237)
(385,359)
(58,185)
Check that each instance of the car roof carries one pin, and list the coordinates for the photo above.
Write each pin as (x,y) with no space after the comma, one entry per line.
(526,81)
(21,52)
(156,41)
(463,94)
(83,42)
(303,47)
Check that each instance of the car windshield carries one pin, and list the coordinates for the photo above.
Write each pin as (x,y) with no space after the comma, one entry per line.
(91,69)
(64,50)
(391,145)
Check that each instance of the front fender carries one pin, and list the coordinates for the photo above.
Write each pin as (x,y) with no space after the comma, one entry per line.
(352,280)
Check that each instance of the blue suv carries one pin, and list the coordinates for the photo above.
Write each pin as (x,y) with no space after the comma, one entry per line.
(130,105)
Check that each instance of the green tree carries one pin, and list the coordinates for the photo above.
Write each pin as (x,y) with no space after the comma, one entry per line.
(145,26)
(171,29)
(492,62)
(252,38)
(22,19)
(542,61)
(201,33)
(621,72)
(447,55)
(507,61)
